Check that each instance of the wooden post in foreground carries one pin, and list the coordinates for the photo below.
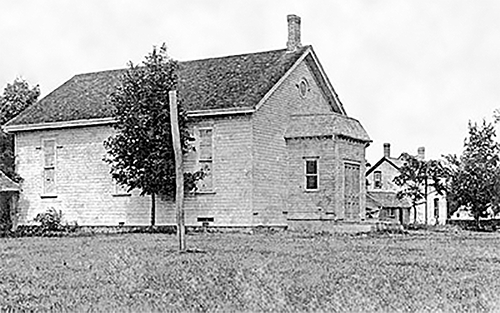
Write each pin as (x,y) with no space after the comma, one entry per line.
(179,173)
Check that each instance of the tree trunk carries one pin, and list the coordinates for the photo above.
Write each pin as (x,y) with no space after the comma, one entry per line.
(426,204)
(153,209)
(414,213)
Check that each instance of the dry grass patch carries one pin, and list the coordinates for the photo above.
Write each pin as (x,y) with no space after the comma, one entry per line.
(261,272)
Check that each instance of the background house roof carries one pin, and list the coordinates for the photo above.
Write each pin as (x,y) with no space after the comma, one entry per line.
(386,199)
(325,125)
(396,162)
(215,83)
(6,184)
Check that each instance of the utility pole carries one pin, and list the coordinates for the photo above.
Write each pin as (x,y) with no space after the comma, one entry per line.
(179,172)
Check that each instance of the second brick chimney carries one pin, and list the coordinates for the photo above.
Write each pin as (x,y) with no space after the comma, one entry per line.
(293,33)
(387,150)
(421,153)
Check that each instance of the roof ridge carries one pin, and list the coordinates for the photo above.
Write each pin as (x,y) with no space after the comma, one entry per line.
(98,72)
(194,60)
(232,55)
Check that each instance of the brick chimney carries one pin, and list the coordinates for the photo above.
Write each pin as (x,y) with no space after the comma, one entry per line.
(387,150)
(293,33)
(421,153)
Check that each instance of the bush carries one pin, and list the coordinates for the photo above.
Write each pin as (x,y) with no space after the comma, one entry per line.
(50,220)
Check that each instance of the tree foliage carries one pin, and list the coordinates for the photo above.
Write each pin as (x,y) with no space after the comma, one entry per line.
(16,97)
(416,176)
(474,177)
(141,153)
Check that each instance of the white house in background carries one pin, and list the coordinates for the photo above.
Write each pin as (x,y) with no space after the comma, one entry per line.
(380,181)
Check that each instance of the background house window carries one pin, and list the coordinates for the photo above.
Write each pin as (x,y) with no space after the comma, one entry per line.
(312,174)
(436,208)
(377,179)
(205,159)
(49,166)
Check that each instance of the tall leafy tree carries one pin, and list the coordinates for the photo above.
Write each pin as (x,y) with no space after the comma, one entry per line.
(415,178)
(16,97)
(141,153)
(474,177)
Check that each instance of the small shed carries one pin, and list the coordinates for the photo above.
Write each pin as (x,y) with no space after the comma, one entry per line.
(9,195)
(385,205)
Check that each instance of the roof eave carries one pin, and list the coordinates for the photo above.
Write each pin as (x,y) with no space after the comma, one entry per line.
(219,112)
(283,78)
(111,120)
(55,125)
(371,169)
(327,80)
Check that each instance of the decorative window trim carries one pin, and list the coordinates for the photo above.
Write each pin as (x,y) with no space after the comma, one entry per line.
(202,162)
(46,168)
(308,175)
(303,87)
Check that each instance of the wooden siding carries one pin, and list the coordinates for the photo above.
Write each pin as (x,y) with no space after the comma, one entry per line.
(303,204)
(269,153)
(84,190)
(230,201)
(86,194)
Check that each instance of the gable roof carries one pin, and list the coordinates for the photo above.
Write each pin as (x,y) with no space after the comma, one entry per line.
(396,163)
(238,81)
(313,125)
(6,184)
(386,199)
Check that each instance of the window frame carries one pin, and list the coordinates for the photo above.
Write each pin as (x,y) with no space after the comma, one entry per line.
(303,87)
(202,161)
(45,193)
(307,175)
(377,183)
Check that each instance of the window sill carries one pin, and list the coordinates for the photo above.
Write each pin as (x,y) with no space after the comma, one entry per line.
(207,192)
(121,195)
(311,190)
(48,196)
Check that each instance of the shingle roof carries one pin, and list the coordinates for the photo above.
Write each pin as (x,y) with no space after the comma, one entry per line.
(215,83)
(324,125)
(6,184)
(387,199)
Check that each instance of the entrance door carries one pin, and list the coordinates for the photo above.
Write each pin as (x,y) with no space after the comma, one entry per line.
(351,191)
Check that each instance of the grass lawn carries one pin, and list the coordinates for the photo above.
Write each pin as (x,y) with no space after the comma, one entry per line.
(422,271)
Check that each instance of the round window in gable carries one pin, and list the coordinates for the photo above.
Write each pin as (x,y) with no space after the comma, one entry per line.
(303,87)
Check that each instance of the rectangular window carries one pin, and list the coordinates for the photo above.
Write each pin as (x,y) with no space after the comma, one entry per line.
(49,166)
(312,174)
(205,159)
(377,179)
(436,209)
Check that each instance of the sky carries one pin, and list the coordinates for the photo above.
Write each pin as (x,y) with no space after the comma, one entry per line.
(413,72)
